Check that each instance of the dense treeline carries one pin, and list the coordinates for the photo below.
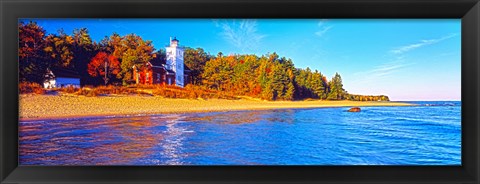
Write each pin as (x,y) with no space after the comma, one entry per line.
(38,51)
(367,97)
(269,76)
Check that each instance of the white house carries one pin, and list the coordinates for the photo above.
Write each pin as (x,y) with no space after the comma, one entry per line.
(58,78)
(175,62)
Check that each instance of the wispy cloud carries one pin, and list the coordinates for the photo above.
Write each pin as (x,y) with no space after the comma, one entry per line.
(323,28)
(421,43)
(397,62)
(381,72)
(242,34)
(119,25)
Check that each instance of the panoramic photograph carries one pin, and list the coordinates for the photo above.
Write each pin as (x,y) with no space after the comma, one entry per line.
(150,92)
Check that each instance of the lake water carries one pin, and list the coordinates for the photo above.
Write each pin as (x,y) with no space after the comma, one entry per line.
(428,134)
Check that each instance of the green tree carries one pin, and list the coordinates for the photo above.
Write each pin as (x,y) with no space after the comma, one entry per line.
(217,73)
(268,93)
(195,60)
(59,48)
(289,94)
(83,50)
(244,77)
(336,88)
(317,85)
(131,50)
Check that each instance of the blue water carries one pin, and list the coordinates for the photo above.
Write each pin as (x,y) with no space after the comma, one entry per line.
(427,134)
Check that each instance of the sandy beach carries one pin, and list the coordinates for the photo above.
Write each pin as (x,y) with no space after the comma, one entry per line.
(61,106)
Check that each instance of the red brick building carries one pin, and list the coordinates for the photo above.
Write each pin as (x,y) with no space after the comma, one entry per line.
(155,74)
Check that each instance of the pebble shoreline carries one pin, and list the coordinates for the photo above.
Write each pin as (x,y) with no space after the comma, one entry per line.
(58,106)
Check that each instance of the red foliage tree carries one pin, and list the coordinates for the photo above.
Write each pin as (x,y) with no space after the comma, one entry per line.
(104,65)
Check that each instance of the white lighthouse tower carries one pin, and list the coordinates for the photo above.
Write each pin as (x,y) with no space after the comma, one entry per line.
(175,61)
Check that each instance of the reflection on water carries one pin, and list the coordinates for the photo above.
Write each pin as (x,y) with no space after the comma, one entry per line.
(421,135)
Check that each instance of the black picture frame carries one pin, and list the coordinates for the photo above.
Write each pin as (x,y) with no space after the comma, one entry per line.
(467,10)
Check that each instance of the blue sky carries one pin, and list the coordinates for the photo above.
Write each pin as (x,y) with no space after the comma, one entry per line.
(406,59)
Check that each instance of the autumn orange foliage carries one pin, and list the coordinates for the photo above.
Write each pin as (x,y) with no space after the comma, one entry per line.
(167,91)
(30,87)
(102,64)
